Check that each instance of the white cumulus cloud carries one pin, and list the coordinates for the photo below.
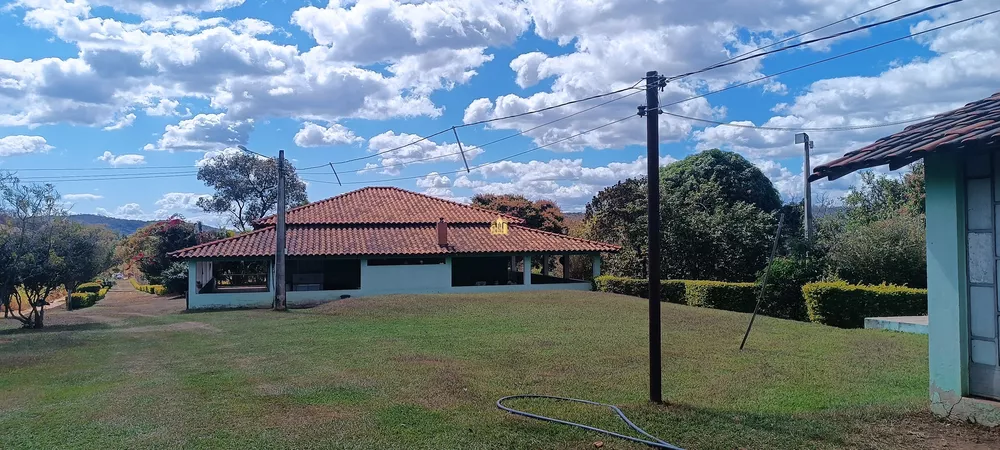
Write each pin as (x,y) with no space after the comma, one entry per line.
(20,145)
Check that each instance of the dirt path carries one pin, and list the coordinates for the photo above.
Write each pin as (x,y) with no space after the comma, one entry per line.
(122,302)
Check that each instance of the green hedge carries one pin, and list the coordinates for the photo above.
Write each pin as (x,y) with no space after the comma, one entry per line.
(721,295)
(86,299)
(670,290)
(89,287)
(845,305)
(709,294)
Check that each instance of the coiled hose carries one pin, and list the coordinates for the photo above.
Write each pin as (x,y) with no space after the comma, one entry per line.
(655,442)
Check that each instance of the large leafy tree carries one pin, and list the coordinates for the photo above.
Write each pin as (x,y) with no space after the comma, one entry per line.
(147,249)
(29,263)
(735,178)
(879,236)
(86,252)
(541,214)
(716,213)
(246,187)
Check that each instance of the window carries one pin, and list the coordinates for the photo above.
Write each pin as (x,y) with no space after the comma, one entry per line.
(405,261)
(323,274)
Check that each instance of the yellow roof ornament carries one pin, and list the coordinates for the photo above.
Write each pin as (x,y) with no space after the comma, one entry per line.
(499,227)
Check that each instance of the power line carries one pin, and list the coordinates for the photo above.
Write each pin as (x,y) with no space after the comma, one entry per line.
(109,178)
(51,169)
(803,34)
(547,108)
(792,129)
(495,119)
(495,141)
(813,41)
(100,176)
(506,158)
(821,61)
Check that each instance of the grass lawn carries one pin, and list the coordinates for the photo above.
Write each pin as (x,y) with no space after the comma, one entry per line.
(425,371)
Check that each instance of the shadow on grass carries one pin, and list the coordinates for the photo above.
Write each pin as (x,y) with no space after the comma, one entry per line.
(55,329)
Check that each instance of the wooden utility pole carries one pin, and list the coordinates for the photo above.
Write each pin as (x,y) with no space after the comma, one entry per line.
(652,112)
(279,254)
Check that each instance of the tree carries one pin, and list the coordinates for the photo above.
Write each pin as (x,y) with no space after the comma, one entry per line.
(246,187)
(86,252)
(738,180)
(147,249)
(713,223)
(879,237)
(541,214)
(28,237)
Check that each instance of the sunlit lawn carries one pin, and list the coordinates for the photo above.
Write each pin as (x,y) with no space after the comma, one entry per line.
(425,372)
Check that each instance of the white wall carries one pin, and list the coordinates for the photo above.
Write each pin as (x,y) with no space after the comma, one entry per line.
(375,280)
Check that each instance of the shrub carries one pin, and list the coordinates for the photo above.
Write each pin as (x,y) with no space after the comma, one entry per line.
(721,295)
(89,287)
(102,293)
(670,290)
(83,299)
(846,305)
(783,294)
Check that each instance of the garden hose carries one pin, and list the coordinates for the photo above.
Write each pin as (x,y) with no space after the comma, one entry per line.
(654,442)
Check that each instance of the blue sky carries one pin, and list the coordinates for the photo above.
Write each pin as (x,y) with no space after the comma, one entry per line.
(148,90)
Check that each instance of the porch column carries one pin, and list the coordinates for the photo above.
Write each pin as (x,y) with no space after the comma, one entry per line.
(947,301)
(192,278)
(527,270)
(565,267)
(597,265)
(545,265)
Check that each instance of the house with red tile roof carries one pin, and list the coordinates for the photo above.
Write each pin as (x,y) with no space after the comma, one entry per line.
(382,240)
(961,153)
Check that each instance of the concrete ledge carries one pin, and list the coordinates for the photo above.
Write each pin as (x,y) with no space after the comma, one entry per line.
(905,324)
(966,409)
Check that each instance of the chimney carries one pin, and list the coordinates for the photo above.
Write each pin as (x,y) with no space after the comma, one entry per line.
(442,229)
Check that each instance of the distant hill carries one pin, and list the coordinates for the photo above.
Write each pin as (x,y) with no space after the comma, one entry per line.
(120,226)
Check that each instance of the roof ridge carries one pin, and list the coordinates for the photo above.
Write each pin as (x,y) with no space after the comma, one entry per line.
(393,188)
(219,241)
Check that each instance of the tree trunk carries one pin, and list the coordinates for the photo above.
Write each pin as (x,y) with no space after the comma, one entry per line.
(40,318)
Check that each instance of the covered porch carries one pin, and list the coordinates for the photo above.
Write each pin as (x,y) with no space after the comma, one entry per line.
(236,283)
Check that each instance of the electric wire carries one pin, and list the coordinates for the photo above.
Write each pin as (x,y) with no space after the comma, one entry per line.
(813,41)
(495,141)
(805,33)
(506,158)
(481,122)
(794,129)
(835,57)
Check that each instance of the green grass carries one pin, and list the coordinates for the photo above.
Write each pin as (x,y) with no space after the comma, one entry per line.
(425,371)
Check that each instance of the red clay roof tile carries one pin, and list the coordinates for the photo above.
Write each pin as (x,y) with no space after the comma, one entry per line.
(335,240)
(975,124)
(384,205)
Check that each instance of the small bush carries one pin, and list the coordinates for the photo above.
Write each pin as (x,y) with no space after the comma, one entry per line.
(89,287)
(102,293)
(670,290)
(846,305)
(83,300)
(721,295)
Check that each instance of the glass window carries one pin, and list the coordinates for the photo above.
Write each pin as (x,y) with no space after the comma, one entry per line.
(981,314)
(984,352)
(979,204)
(981,258)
